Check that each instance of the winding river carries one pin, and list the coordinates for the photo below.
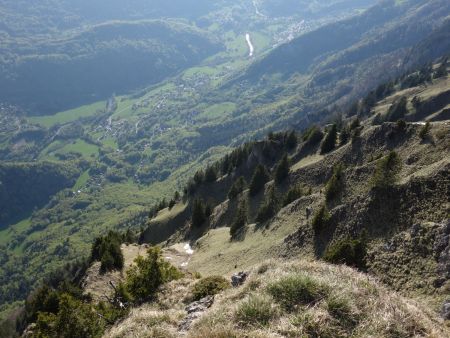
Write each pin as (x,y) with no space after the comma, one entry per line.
(250,45)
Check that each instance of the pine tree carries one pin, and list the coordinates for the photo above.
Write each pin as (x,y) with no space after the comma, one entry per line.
(240,220)
(259,179)
(293,194)
(329,143)
(321,219)
(237,187)
(210,175)
(269,208)
(198,213)
(344,136)
(387,171)
(425,131)
(291,140)
(397,110)
(335,183)
(282,169)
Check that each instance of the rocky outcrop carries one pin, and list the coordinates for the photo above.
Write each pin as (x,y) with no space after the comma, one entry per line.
(195,311)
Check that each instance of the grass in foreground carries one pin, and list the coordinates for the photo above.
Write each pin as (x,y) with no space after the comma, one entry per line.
(316,300)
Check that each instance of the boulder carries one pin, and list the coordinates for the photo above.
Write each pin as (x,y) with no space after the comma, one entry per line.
(238,279)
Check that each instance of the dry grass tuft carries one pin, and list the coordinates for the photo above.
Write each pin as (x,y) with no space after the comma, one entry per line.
(339,302)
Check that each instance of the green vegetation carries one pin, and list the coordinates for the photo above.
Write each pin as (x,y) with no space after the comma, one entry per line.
(74,319)
(143,147)
(313,136)
(259,179)
(293,194)
(351,252)
(269,208)
(68,115)
(329,142)
(198,213)
(209,286)
(387,171)
(335,184)
(116,56)
(321,219)
(144,278)
(282,169)
(27,186)
(237,187)
(107,250)
(425,131)
(295,290)
(397,110)
(341,309)
(256,310)
(240,220)
(291,140)
(442,71)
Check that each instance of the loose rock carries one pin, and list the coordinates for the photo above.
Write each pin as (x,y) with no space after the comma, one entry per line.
(238,279)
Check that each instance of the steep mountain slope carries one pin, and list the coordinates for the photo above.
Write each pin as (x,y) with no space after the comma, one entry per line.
(405,225)
(143,147)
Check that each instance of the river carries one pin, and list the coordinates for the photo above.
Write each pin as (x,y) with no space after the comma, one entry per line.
(250,45)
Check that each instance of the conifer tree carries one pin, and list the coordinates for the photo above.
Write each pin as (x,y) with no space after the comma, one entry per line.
(425,131)
(293,194)
(269,208)
(291,140)
(387,171)
(329,143)
(237,187)
(282,169)
(198,213)
(397,110)
(241,218)
(259,179)
(210,174)
(335,184)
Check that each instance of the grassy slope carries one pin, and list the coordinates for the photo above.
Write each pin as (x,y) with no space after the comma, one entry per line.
(368,308)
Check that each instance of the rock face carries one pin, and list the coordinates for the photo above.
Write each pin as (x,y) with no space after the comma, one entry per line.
(238,279)
(195,311)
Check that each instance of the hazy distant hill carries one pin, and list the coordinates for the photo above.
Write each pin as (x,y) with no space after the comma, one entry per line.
(386,27)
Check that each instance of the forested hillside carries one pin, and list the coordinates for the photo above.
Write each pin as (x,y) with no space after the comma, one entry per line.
(49,76)
(28,186)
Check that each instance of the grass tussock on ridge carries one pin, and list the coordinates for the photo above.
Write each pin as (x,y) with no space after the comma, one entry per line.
(314,299)
(288,299)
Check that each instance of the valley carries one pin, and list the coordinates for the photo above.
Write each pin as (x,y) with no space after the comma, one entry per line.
(119,121)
